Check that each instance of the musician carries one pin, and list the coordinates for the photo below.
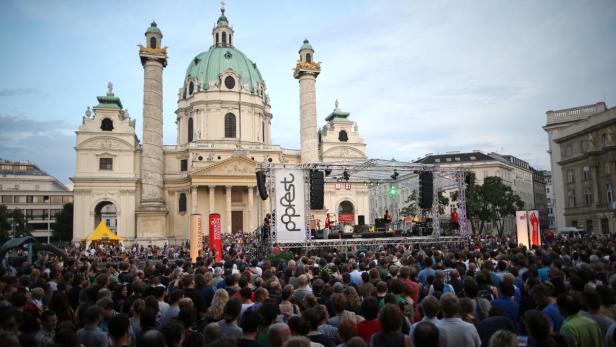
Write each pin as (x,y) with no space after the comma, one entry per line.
(387,217)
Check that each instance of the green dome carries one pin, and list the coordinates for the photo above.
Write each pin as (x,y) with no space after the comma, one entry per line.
(306,45)
(153,28)
(207,66)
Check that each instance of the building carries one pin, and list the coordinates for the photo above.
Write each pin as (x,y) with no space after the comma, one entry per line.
(223,122)
(588,165)
(26,187)
(540,199)
(557,122)
(522,178)
(549,193)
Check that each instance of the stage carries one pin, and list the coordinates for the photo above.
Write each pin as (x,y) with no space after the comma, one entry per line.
(371,243)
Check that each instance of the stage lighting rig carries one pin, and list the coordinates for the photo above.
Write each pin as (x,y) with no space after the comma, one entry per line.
(395,175)
(345,175)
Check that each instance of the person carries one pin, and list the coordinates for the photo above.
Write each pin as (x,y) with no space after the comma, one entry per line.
(251,323)
(119,331)
(426,334)
(542,295)
(495,322)
(540,333)
(211,333)
(506,301)
(173,331)
(453,330)
(313,319)
(231,314)
(174,306)
(431,306)
(346,331)
(592,301)
(584,331)
(387,216)
(216,310)
(426,272)
(278,334)
(45,336)
(371,325)
(152,338)
(91,335)
(390,319)
(503,338)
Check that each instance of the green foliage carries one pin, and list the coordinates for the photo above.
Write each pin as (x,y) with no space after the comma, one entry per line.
(5,223)
(13,224)
(412,206)
(491,202)
(63,228)
(283,256)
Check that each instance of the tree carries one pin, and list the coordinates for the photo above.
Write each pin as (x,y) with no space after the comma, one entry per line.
(63,228)
(492,202)
(13,224)
(412,207)
(5,223)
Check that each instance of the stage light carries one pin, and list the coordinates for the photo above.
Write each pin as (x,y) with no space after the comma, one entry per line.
(393,190)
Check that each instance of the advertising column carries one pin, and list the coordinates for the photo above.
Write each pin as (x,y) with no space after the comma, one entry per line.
(215,236)
(290,205)
(196,236)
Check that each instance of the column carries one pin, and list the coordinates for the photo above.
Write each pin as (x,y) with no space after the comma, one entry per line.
(228,207)
(251,209)
(596,199)
(211,193)
(194,190)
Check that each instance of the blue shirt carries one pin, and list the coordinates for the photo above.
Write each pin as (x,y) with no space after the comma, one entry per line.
(553,313)
(508,305)
(543,273)
(425,273)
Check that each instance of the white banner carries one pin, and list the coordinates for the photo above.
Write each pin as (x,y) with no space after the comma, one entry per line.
(290,205)
(535,229)
(521,218)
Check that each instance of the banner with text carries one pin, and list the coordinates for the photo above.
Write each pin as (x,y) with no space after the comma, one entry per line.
(290,205)
(196,236)
(521,218)
(215,236)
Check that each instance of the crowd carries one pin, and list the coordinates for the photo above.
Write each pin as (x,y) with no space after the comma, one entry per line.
(488,294)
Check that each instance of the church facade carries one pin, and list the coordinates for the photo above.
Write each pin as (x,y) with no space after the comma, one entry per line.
(147,191)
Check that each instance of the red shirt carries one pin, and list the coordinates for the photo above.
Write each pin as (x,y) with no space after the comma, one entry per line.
(367,328)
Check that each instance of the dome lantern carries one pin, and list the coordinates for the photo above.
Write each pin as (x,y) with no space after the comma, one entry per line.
(153,36)
(222,34)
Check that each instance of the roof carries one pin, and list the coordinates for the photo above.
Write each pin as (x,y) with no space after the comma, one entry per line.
(102,233)
(306,45)
(20,168)
(153,29)
(337,114)
(109,101)
(455,157)
(207,66)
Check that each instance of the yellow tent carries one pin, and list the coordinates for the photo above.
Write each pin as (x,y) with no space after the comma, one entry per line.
(102,233)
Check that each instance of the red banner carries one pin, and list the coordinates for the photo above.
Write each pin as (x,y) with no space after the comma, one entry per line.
(215,236)
(346,218)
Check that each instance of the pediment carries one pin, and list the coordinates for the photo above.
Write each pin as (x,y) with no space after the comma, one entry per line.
(234,166)
(344,152)
(105,142)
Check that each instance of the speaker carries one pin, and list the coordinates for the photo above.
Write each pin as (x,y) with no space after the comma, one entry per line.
(317,182)
(361,219)
(261,185)
(426,189)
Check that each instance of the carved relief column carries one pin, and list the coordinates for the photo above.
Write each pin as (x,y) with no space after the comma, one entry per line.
(211,193)
(228,207)
(251,209)
(194,194)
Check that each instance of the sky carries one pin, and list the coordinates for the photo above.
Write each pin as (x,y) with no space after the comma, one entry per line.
(417,76)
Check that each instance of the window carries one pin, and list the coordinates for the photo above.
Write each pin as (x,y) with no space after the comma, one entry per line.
(237,195)
(605,226)
(589,225)
(571,198)
(342,136)
(230,43)
(583,146)
(191,88)
(230,125)
(66,199)
(229,82)
(610,193)
(224,38)
(7,199)
(568,151)
(263,132)
(105,163)
(586,173)
(570,176)
(29,199)
(190,129)
(587,197)
(106,124)
(182,203)
(56,199)
(217,40)
(604,140)
(152,42)
(184,165)
(308,58)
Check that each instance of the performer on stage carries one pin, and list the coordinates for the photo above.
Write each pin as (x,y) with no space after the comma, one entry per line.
(454,219)
(387,216)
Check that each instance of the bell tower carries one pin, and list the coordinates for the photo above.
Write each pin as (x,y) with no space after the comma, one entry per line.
(306,71)
(152,211)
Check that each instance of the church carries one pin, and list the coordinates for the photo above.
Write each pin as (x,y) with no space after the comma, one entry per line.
(146,191)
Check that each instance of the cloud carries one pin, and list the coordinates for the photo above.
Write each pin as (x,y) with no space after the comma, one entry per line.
(18,91)
(47,143)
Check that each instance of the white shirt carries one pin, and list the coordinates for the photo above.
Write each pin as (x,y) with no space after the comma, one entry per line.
(454,332)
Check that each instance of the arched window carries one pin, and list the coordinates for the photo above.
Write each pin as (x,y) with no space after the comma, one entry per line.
(230,125)
(106,124)
(182,203)
(191,88)
(190,129)
(230,40)
(152,42)
(224,38)
(217,39)
(346,207)
(342,136)
(308,58)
